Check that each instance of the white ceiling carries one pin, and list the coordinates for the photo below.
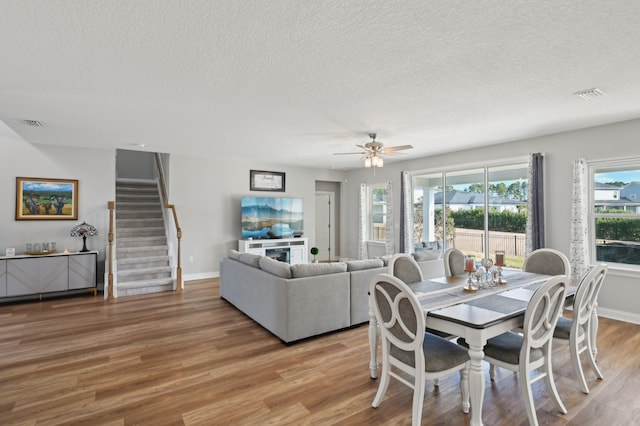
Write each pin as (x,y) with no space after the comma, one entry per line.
(292,82)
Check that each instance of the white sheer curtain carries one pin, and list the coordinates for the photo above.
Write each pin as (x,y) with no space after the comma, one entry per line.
(389,228)
(579,240)
(406,213)
(362,222)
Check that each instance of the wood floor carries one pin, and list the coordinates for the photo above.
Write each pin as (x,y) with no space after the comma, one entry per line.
(193,359)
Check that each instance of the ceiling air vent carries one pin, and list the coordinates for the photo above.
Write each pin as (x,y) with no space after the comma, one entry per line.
(32,123)
(590,93)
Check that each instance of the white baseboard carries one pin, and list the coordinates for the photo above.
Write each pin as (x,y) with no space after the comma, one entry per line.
(200,276)
(619,315)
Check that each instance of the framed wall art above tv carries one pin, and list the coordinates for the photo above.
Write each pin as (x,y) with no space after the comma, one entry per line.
(260,180)
(46,199)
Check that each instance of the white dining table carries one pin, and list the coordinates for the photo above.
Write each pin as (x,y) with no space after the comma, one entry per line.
(476,316)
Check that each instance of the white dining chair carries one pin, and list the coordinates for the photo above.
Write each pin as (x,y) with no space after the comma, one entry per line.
(531,351)
(453,262)
(581,330)
(547,261)
(409,354)
(405,267)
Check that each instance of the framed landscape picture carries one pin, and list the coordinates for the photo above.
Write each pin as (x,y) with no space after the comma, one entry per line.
(46,199)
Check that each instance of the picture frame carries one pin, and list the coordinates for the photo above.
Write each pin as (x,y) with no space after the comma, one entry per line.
(46,199)
(260,180)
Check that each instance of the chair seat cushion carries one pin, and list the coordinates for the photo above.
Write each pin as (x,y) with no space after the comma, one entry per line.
(506,348)
(440,354)
(563,329)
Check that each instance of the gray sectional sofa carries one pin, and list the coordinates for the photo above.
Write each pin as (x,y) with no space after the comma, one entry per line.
(300,301)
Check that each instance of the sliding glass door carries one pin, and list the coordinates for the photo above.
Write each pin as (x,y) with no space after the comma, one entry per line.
(478,210)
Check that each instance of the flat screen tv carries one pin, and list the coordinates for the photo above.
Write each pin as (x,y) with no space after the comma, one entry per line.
(272,217)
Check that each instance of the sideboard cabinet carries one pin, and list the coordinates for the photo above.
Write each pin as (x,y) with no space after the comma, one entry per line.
(37,276)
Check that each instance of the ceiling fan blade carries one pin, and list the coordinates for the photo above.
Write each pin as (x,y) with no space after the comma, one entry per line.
(395,153)
(397,148)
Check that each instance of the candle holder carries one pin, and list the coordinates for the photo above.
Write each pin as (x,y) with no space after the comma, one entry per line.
(501,280)
(470,269)
(500,263)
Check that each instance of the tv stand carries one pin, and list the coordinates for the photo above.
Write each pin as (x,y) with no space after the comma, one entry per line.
(289,250)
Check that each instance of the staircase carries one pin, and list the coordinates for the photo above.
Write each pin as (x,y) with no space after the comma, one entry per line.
(142,258)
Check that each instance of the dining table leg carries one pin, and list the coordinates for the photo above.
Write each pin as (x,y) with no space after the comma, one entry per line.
(373,342)
(476,382)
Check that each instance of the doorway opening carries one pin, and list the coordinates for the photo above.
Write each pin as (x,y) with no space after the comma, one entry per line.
(327,209)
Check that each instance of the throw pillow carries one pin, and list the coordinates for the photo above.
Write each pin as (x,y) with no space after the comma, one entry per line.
(359,265)
(313,269)
(250,259)
(385,259)
(421,256)
(275,267)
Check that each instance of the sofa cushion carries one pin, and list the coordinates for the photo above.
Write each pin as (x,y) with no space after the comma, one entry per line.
(313,269)
(275,267)
(421,256)
(246,258)
(359,265)
(385,259)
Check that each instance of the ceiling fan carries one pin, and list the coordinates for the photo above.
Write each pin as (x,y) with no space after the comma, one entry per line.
(373,151)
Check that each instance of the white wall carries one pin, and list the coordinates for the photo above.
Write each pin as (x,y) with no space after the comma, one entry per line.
(207,193)
(621,290)
(95,172)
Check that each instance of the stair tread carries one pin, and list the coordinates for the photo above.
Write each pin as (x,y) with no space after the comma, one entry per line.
(146,238)
(147,270)
(145,283)
(146,258)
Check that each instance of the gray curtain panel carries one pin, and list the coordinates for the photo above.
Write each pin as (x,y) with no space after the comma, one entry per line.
(536,202)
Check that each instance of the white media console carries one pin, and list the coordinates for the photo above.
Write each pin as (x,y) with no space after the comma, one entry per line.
(289,250)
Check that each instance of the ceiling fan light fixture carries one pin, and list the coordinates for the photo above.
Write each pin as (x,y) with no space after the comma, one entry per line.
(367,162)
(377,161)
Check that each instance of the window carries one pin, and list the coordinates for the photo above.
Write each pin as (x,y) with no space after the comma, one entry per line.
(477,210)
(378,205)
(616,212)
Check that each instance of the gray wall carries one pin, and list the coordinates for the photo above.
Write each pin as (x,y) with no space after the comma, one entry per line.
(135,164)
(621,291)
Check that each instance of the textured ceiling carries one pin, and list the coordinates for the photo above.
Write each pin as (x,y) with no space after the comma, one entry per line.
(293,82)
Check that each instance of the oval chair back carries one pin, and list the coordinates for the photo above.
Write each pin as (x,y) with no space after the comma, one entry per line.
(405,267)
(547,261)
(453,262)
